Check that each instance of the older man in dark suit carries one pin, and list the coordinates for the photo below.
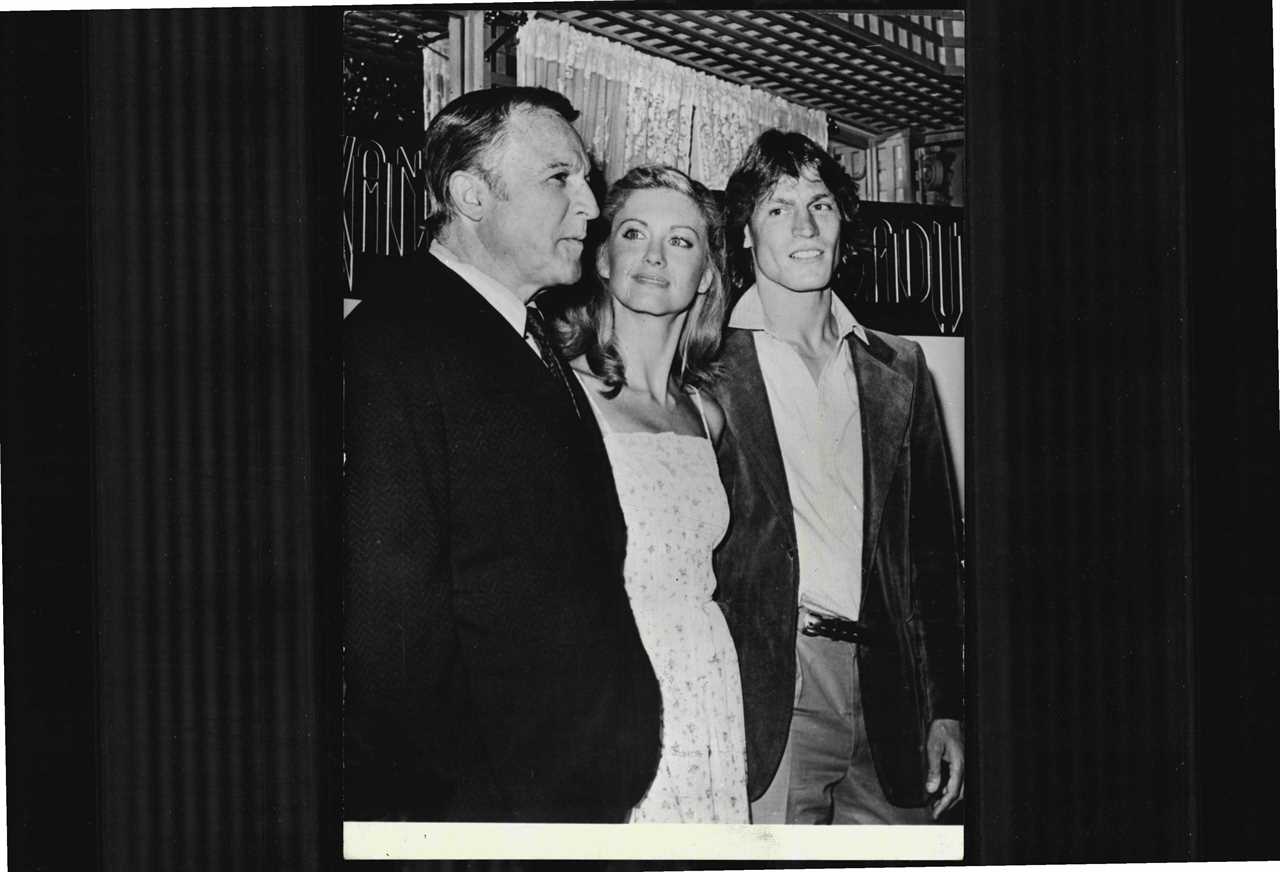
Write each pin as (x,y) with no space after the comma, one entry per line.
(492,667)
(839,576)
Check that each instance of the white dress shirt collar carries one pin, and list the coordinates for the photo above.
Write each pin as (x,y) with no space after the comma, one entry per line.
(496,294)
(749,314)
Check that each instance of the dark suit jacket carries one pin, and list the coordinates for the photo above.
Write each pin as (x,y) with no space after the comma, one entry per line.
(911,584)
(492,666)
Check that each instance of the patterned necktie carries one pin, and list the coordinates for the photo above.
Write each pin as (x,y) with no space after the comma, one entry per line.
(536,327)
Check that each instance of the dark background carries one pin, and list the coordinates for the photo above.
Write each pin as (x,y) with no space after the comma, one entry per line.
(170,454)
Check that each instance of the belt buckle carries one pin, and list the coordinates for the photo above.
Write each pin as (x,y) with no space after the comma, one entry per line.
(838,629)
(815,624)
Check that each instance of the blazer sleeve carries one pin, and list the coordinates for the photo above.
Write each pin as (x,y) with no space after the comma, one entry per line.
(936,547)
(398,631)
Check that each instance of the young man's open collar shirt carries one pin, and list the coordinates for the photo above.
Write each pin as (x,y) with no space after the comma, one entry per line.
(819,428)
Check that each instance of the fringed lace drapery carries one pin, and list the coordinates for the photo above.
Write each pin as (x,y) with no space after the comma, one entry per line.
(636,108)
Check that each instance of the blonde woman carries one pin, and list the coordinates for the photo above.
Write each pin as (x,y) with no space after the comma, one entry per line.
(644,348)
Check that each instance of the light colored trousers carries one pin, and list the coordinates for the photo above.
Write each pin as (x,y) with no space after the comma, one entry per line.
(826,775)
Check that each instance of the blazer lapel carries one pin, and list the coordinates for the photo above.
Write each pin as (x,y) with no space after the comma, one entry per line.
(884,397)
(746,403)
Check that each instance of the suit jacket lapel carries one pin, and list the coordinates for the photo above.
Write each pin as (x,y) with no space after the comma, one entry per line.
(511,362)
(464,309)
(746,402)
(511,359)
(884,397)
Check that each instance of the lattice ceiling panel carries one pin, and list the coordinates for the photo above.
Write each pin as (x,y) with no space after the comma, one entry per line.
(818,59)
(874,74)
(392,34)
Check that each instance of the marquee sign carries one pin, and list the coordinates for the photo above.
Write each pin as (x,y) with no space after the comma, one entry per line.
(382,211)
(913,279)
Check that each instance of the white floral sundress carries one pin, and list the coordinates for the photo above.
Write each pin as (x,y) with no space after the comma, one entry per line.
(676,513)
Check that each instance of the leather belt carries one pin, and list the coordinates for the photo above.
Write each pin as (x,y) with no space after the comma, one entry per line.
(839,629)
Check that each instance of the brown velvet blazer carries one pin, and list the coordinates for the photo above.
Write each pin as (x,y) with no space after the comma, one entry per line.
(912,588)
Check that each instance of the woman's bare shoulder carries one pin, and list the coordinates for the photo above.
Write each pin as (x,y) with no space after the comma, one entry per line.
(715,415)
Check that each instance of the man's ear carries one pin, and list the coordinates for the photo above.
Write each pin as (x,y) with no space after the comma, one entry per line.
(746,237)
(469,193)
(602,261)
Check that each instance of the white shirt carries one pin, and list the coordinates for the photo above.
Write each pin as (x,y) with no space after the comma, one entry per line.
(496,294)
(819,428)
